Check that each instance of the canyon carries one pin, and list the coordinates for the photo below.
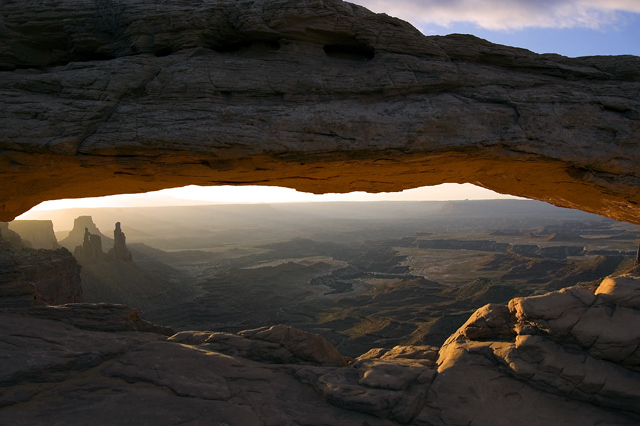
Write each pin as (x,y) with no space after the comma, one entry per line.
(110,97)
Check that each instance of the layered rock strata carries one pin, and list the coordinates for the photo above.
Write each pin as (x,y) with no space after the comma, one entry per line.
(108,97)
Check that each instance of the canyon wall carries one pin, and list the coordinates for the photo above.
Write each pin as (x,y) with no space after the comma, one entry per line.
(38,233)
(111,97)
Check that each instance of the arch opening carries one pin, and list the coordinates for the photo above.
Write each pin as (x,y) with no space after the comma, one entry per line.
(191,261)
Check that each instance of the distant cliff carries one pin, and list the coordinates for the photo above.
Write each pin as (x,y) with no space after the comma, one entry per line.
(12,237)
(77,235)
(39,233)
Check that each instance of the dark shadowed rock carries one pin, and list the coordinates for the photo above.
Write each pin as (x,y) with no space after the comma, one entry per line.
(38,276)
(96,316)
(54,373)
(55,274)
(15,291)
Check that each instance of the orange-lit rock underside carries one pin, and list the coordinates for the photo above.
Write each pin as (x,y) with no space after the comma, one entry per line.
(322,97)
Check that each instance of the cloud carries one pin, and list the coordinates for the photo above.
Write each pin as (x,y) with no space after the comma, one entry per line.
(508,14)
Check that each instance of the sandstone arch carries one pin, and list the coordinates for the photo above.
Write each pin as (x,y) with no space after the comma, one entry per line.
(110,97)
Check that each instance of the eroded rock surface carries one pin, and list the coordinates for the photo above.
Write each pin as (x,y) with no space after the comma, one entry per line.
(573,352)
(54,373)
(108,97)
(278,344)
(550,359)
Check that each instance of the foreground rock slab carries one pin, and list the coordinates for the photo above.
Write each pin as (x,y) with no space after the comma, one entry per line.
(321,96)
(54,373)
(565,358)
(572,352)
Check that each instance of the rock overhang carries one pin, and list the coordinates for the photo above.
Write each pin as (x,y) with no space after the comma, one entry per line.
(111,97)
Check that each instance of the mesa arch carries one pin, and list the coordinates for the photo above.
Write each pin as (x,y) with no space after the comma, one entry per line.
(109,97)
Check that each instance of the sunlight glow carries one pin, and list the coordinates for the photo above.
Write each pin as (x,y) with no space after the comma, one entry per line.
(198,195)
(510,14)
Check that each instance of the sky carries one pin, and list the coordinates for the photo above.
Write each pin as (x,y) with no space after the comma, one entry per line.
(566,27)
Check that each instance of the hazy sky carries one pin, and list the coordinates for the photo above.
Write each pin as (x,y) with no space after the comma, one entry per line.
(567,27)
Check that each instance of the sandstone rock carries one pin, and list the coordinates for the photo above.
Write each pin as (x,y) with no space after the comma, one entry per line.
(38,276)
(578,318)
(422,354)
(321,96)
(41,350)
(472,388)
(572,352)
(53,373)
(489,322)
(306,346)
(15,291)
(383,388)
(54,273)
(278,344)
(621,291)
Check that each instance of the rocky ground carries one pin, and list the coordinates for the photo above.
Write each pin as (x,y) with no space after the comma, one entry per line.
(569,357)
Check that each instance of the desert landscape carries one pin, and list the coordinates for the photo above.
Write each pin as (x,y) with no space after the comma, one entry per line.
(362,275)
(381,287)
(430,313)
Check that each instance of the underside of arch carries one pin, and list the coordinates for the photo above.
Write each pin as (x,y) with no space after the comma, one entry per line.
(101,98)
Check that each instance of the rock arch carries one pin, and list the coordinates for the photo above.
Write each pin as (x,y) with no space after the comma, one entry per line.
(113,97)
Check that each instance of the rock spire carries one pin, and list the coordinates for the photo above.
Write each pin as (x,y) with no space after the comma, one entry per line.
(119,250)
